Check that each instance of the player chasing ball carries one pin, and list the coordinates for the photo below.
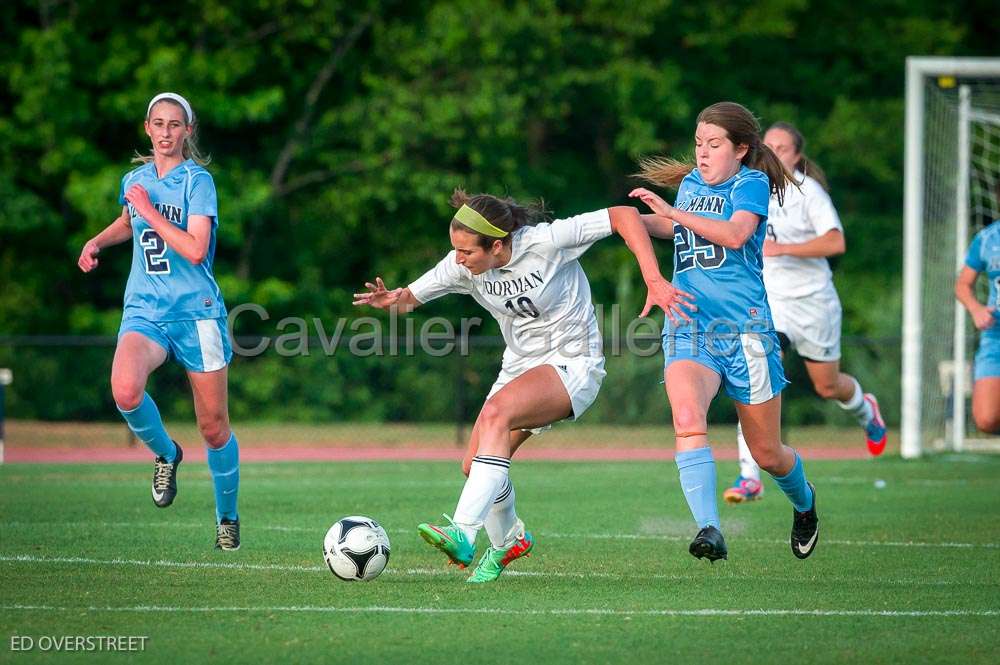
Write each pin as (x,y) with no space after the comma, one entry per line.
(718,227)
(525,272)
(802,231)
(173,306)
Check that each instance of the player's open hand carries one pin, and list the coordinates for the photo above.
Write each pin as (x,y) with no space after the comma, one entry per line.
(654,201)
(670,299)
(377,295)
(88,256)
(985,318)
(139,198)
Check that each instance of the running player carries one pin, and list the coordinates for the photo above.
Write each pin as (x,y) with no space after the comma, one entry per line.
(526,273)
(718,224)
(984,257)
(801,234)
(173,305)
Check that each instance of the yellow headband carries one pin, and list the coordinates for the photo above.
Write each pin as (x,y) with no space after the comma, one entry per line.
(478,223)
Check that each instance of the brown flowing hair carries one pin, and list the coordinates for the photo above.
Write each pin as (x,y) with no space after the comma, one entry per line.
(805,164)
(189,150)
(502,212)
(741,128)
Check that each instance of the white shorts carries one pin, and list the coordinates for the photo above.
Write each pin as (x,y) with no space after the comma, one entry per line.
(581,376)
(811,323)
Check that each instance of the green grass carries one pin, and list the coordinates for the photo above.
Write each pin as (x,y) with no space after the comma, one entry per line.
(612,539)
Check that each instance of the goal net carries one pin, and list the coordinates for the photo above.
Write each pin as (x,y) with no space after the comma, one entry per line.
(952,171)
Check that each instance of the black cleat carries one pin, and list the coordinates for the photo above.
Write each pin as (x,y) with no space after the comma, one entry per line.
(805,530)
(165,479)
(709,544)
(227,535)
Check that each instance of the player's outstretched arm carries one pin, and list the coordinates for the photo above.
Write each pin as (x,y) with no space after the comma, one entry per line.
(625,221)
(658,226)
(830,243)
(114,233)
(383,298)
(731,234)
(965,291)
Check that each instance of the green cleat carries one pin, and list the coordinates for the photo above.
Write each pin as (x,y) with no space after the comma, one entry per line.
(496,559)
(451,540)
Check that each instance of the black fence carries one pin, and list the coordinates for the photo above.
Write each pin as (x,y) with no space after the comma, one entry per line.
(60,378)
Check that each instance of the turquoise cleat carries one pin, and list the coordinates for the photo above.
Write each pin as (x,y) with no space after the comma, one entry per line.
(451,540)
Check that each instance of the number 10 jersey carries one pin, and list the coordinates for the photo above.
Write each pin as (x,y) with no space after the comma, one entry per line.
(541,297)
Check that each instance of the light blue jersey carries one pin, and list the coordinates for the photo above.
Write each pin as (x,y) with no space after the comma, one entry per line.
(984,257)
(727,284)
(163,286)
(731,333)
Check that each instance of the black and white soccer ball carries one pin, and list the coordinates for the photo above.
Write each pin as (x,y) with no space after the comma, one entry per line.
(356,548)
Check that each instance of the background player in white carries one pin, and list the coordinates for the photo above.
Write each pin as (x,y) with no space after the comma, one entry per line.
(801,233)
(525,272)
(984,257)
(173,305)
(717,226)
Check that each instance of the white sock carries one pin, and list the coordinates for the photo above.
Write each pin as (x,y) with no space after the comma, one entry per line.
(487,477)
(748,467)
(857,405)
(502,520)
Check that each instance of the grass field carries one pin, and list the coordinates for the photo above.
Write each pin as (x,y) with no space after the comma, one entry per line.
(906,573)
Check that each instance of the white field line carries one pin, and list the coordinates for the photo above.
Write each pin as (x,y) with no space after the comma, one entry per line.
(543,534)
(268,480)
(162,563)
(376,609)
(430,572)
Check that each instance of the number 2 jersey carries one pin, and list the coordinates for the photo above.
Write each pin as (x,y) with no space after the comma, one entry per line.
(726,283)
(984,256)
(163,285)
(541,298)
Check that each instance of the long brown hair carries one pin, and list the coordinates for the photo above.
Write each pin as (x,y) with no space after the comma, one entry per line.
(502,212)
(741,128)
(805,165)
(189,149)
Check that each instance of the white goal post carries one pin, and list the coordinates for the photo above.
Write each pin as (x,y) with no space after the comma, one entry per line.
(942,114)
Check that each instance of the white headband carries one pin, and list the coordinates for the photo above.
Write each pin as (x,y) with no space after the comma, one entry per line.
(173,96)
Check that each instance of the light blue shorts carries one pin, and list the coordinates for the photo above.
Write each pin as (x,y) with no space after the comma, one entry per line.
(200,346)
(987,358)
(748,363)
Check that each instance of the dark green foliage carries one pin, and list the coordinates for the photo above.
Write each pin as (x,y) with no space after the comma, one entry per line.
(338,130)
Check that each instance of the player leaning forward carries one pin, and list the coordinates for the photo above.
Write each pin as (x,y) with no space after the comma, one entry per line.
(717,224)
(173,305)
(527,275)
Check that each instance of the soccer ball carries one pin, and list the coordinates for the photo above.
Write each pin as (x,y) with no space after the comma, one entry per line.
(356,548)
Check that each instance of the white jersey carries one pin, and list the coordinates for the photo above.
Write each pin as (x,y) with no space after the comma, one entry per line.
(806,215)
(541,298)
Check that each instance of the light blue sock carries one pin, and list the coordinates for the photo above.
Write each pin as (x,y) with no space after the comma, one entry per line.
(144,420)
(224,465)
(697,470)
(794,485)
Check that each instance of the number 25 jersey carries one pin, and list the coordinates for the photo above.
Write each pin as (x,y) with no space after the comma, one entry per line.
(541,298)
(726,283)
(163,285)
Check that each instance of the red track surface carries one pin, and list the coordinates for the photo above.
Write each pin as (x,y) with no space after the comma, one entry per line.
(330,454)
